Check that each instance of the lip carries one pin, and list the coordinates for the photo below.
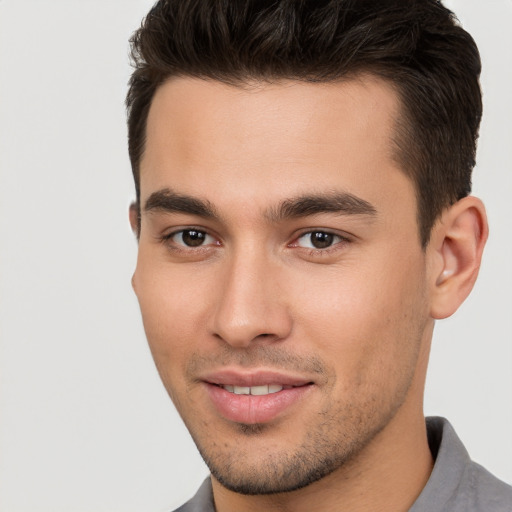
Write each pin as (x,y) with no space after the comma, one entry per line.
(253,378)
(251,409)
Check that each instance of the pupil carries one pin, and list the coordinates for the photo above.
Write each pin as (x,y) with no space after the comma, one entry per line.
(321,240)
(193,238)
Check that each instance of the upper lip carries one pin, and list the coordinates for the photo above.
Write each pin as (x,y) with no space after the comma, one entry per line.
(249,378)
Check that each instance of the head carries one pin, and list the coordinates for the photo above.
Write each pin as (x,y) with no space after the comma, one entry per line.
(301,172)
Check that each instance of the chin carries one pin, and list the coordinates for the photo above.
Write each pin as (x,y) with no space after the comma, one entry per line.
(255,472)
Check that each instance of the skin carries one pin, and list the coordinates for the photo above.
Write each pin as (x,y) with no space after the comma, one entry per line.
(354,319)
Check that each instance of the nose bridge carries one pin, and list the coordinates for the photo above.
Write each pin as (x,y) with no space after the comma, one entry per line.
(250,305)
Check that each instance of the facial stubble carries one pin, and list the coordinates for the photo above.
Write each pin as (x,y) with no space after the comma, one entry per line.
(341,431)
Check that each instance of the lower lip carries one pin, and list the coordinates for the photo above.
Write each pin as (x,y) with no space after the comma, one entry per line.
(252,409)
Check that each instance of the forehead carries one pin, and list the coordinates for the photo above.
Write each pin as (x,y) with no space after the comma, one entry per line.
(265,141)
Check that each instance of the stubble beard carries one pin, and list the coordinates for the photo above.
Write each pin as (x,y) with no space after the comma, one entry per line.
(333,440)
(337,441)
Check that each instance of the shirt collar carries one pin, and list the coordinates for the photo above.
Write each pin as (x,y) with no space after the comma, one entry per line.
(451,467)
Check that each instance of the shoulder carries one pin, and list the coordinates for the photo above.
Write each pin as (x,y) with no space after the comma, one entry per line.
(457,484)
(487,492)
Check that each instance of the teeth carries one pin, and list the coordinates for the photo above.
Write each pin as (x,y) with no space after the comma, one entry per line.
(259,390)
(253,390)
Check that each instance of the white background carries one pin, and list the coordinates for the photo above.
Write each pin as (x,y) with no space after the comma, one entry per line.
(85,424)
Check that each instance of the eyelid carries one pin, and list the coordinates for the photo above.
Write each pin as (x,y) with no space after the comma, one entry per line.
(181,231)
(167,239)
(340,243)
(213,240)
(327,231)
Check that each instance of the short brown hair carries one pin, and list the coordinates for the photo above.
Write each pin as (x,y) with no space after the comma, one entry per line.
(416,45)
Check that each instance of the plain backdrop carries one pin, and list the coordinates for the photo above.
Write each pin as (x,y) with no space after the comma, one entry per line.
(85,425)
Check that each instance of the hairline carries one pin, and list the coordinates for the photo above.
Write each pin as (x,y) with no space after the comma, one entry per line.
(400,143)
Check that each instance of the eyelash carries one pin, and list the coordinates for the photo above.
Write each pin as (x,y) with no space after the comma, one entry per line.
(337,241)
(170,244)
(312,251)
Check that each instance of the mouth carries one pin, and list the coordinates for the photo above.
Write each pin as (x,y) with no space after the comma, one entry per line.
(255,398)
(265,389)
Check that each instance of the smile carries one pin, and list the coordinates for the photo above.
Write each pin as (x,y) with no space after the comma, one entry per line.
(254,390)
(255,402)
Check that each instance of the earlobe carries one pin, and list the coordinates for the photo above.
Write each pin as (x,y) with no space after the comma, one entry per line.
(456,248)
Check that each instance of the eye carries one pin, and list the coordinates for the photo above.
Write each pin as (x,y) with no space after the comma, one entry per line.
(191,238)
(318,240)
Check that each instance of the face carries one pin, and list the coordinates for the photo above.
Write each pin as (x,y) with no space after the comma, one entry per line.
(280,275)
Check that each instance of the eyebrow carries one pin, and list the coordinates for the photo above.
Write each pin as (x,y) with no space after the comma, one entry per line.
(342,203)
(166,200)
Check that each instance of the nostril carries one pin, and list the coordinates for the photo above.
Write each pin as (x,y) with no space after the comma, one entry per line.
(265,336)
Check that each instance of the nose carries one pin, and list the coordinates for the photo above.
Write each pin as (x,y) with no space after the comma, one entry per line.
(251,305)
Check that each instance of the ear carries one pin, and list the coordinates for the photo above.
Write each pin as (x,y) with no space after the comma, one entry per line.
(134,214)
(455,252)
(135,218)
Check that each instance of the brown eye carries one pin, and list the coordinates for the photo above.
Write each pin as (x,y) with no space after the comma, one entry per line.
(321,240)
(192,238)
(318,240)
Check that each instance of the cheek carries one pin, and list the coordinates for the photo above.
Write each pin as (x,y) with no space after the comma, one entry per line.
(367,321)
(172,308)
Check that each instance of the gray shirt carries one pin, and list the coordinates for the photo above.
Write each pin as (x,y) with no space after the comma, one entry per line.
(457,484)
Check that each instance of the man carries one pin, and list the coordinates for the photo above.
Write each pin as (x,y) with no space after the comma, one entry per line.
(303,173)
